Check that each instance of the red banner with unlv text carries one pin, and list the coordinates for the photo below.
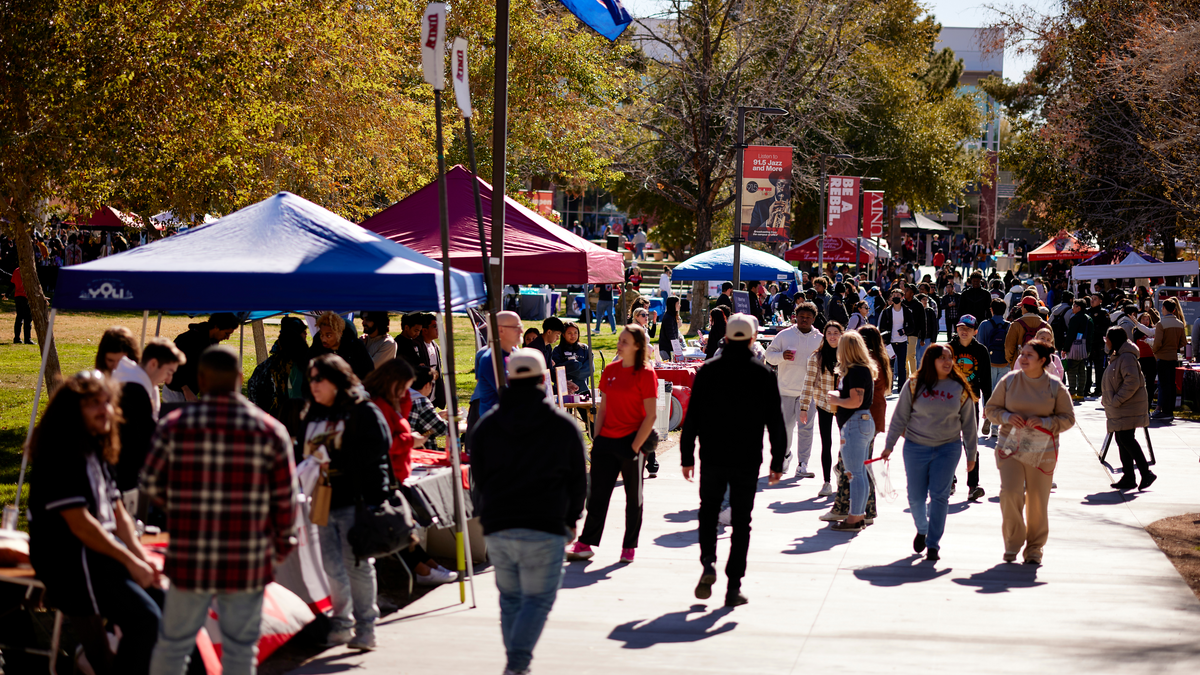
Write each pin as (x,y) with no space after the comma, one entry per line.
(842,207)
(872,213)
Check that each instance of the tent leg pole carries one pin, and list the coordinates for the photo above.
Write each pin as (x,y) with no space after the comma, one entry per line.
(241,342)
(145,320)
(158,326)
(37,399)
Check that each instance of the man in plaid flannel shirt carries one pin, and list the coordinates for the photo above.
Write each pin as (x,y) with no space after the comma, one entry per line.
(223,471)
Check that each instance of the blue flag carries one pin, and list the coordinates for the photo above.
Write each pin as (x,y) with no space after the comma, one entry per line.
(606,17)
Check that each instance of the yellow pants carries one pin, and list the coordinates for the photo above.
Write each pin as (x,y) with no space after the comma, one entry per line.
(1024,500)
(912,355)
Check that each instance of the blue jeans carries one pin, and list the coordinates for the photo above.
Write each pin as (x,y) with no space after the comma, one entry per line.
(238,614)
(856,435)
(922,345)
(352,585)
(930,474)
(529,572)
(605,307)
(998,372)
(640,251)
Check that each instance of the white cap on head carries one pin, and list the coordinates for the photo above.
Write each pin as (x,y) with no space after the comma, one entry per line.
(526,363)
(741,327)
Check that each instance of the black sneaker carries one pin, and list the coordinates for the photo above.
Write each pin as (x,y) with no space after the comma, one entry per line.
(919,543)
(976,493)
(932,555)
(707,578)
(734,598)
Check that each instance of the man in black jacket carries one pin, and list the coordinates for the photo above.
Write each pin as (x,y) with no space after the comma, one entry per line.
(1097,361)
(836,311)
(409,345)
(199,336)
(530,471)
(976,300)
(898,336)
(731,448)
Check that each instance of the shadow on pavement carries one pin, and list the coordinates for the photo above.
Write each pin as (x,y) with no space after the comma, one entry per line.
(824,540)
(1107,498)
(673,628)
(1002,578)
(682,539)
(577,575)
(910,570)
(814,504)
(689,516)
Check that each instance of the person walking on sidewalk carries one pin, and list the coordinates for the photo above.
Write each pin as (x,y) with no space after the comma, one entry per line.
(971,359)
(228,533)
(856,373)
(819,380)
(1168,342)
(530,470)
(624,424)
(731,450)
(1126,407)
(1029,398)
(993,334)
(789,353)
(936,415)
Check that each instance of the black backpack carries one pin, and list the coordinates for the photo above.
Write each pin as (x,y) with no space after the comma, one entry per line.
(995,343)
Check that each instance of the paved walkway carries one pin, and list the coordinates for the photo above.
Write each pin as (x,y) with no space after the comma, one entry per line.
(1105,601)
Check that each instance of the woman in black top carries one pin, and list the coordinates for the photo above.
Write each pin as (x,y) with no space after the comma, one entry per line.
(343,423)
(81,540)
(669,328)
(856,376)
(575,357)
(716,332)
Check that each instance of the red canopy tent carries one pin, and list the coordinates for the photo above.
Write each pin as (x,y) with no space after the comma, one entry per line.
(1062,247)
(108,218)
(836,250)
(536,251)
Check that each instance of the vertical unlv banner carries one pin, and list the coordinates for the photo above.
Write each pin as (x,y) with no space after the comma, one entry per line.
(872,213)
(842,221)
(766,184)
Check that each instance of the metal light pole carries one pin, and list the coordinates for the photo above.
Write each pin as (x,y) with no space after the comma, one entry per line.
(823,215)
(737,194)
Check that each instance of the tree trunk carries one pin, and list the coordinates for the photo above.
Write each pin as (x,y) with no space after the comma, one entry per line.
(38,305)
(703,243)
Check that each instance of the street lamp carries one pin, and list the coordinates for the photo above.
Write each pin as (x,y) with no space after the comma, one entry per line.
(823,214)
(737,199)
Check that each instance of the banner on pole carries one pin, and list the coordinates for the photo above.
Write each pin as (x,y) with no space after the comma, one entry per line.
(873,213)
(842,221)
(766,184)
(433,45)
(462,81)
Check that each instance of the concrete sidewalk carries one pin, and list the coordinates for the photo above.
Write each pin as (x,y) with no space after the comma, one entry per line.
(1106,599)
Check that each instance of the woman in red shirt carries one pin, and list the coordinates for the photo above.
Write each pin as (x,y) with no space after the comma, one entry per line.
(624,421)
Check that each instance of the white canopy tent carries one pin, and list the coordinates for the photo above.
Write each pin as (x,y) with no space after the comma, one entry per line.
(1135,267)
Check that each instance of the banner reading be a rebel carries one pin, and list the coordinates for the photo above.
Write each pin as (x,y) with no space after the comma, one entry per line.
(766,184)
(842,220)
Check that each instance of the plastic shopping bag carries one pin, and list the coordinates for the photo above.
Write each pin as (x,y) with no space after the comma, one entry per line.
(1029,445)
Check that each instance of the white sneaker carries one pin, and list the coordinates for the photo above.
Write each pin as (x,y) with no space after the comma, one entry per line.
(803,472)
(826,490)
(337,637)
(726,517)
(363,643)
(437,575)
(831,517)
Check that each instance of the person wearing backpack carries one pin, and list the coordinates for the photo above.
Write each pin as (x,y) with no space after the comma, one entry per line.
(1059,315)
(1023,329)
(993,334)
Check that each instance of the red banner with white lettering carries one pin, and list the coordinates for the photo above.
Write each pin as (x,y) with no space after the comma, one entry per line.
(872,213)
(842,201)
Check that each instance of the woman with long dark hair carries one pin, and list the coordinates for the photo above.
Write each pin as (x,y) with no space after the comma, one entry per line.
(277,385)
(575,357)
(936,416)
(716,331)
(1023,400)
(669,328)
(349,436)
(1126,407)
(819,380)
(624,422)
(81,540)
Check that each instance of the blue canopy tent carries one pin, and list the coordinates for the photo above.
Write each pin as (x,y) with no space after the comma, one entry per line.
(717,265)
(281,253)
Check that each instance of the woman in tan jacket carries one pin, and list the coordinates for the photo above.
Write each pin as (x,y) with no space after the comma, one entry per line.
(1028,398)
(1126,406)
(1168,342)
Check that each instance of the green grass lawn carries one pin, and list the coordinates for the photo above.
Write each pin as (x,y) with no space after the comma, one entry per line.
(76,344)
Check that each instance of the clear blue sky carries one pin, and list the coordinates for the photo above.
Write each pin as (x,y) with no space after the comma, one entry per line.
(958,13)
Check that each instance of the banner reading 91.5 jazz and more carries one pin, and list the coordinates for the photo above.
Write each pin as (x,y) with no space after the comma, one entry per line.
(767,194)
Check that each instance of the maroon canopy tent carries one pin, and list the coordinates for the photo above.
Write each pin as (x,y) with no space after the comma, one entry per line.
(536,251)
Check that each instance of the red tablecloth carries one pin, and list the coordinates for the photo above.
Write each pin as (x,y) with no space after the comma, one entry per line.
(442,458)
(682,377)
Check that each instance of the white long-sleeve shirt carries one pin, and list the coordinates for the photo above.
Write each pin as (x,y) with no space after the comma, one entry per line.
(791,373)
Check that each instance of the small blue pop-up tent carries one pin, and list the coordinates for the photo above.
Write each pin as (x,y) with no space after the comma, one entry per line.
(282,253)
(717,265)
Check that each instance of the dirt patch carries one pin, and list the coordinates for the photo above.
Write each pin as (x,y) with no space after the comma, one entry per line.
(1179,539)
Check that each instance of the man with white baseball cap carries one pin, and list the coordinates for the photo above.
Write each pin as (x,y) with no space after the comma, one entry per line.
(734,397)
(530,470)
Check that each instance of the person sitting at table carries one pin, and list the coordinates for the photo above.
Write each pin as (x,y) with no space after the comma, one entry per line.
(530,335)
(647,320)
(82,542)
(424,418)
(116,344)
(575,358)
(335,336)
(716,331)
(670,329)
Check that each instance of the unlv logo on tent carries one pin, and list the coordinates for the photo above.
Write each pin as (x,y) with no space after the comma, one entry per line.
(105,289)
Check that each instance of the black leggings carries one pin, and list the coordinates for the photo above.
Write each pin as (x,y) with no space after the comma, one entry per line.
(1131,454)
(613,457)
(825,421)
